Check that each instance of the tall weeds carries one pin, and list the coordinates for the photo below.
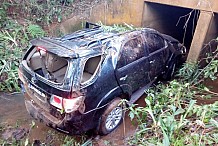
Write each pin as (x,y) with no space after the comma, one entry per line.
(172,115)
(13,42)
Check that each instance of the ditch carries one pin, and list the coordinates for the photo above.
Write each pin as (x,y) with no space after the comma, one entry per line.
(14,119)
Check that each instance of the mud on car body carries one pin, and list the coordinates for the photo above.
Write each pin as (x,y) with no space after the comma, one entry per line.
(75,83)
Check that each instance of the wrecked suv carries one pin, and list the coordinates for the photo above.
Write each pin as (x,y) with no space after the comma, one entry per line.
(75,83)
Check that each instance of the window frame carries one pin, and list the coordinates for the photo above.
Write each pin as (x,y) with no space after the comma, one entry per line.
(94,75)
(122,49)
(165,45)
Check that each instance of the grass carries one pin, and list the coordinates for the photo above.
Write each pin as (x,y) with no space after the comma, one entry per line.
(172,115)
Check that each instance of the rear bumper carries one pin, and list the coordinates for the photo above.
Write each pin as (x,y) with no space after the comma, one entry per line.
(71,123)
(44,116)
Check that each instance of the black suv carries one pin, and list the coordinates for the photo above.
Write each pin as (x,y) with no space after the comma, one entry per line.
(75,83)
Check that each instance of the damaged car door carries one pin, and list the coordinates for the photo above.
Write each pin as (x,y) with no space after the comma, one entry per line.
(133,67)
(156,47)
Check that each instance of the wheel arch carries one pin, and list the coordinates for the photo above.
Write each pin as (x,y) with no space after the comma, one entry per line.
(109,97)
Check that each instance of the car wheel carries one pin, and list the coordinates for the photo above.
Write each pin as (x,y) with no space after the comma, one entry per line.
(112,117)
(171,69)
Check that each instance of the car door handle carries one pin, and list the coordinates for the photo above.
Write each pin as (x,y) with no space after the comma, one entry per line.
(123,78)
(152,61)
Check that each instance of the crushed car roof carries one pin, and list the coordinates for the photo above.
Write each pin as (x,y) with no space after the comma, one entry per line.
(77,44)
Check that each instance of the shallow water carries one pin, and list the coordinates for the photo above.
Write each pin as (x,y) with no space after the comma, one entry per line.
(13,114)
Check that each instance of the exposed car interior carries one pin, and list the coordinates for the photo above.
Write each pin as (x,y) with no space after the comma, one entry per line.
(46,63)
(91,66)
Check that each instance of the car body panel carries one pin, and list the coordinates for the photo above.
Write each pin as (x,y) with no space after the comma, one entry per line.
(126,66)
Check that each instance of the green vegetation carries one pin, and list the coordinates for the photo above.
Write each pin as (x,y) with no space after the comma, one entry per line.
(69,141)
(19,23)
(14,39)
(117,27)
(39,11)
(172,115)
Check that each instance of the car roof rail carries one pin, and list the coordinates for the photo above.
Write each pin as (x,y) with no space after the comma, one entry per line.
(98,41)
(81,33)
(91,25)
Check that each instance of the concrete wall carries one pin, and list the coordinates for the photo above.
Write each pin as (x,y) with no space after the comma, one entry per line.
(162,15)
(213,29)
(108,12)
(166,19)
(118,12)
(205,5)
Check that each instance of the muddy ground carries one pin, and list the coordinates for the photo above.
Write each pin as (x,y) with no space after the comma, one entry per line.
(13,116)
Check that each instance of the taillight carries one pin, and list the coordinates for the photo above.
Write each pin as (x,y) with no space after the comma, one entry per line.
(56,101)
(73,104)
(41,49)
(69,105)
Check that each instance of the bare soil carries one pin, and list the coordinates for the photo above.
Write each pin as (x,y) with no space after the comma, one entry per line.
(14,117)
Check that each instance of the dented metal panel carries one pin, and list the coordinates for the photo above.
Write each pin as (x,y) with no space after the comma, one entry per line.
(121,64)
(54,47)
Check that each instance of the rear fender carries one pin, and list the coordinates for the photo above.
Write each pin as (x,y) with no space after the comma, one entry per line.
(104,102)
(117,91)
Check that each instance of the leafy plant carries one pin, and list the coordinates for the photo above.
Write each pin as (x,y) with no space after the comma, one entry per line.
(13,41)
(43,12)
(117,27)
(69,141)
(172,115)
(35,31)
(2,16)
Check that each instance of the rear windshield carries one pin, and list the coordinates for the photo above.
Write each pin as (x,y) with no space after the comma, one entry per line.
(47,65)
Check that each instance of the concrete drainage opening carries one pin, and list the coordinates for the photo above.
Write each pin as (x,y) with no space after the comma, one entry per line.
(175,21)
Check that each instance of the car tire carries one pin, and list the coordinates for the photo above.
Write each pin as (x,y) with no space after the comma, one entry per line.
(112,117)
(171,69)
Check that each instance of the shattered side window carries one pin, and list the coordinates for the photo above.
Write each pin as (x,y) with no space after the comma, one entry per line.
(154,42)
(131,51)
(91,67)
